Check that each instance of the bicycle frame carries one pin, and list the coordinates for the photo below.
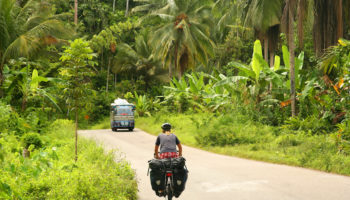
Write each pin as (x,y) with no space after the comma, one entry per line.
(169,186)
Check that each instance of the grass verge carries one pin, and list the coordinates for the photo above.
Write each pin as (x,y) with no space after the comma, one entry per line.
(51,173)
(237,136)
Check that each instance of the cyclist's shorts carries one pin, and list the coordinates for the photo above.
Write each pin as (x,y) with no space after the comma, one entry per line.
(168,155)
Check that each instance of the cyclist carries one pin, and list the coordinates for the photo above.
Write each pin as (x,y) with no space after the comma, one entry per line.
(167,142)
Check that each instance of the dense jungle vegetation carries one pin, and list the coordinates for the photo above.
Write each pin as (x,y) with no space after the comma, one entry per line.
(262,79)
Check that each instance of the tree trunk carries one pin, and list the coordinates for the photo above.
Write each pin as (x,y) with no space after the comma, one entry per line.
(113,5)
(175,58)
(115,81)
(109,65)
(340,22)
(266,49)
(292,57)
(1,73)
(76,12)
(127,8)
(25,153)
(302,6)
(325,29)
(272,59)
(170,71)
(76,134)
(24,103)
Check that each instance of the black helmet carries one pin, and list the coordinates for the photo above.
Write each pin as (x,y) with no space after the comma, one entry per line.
(166,126)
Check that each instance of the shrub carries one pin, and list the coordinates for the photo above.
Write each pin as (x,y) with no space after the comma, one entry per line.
(51,173)
(32,139)
(5,113)
(232,129)
(288,140)
(312,124)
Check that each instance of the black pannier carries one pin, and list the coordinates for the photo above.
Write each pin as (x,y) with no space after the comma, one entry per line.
(173,163)
(157,174)
(178,163)
(179,178)
(156,164)
(157,180)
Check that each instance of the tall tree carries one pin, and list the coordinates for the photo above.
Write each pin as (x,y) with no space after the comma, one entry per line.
(148,6)
(264,17)
(328,23)
(288,19)
(77,60)
(138,59)
(127,8)
(25,30)
(182,38)
(76,12)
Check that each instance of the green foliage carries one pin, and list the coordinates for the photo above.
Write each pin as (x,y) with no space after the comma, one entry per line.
(143,105)
(51,173)
(26,29)
(112,35)
(239,135)
(182,36)
(78,61)
(336,60)
(29,88)
(32,139)
(5,113)
(312,124)
(227,130)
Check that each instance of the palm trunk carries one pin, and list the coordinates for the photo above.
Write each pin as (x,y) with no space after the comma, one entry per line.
(272,59)
(301,18)
(292,58)
(170,71)
(76,12)
(175,58)
(266,49)
(1,71)
(24,104)
(115,81)
(109,65)
(76,134)
(339,19)
(127,8)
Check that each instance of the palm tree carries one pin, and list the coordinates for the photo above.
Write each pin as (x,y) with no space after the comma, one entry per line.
(25,30)
(138,59)
(227,13)
(264,17)
(288,18)
(182,38)
(148,5)
(76,12)
(328,23)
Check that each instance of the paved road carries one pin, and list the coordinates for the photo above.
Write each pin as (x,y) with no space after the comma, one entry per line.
(218,177)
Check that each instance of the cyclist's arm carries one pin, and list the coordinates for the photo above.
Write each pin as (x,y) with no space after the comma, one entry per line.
(180,149)
(156,151)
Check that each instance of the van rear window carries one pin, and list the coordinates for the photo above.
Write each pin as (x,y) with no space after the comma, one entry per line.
(124,110)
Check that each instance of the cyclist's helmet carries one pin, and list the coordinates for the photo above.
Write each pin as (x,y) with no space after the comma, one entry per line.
(166,127)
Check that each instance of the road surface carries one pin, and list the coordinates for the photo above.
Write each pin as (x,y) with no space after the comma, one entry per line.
(218,177)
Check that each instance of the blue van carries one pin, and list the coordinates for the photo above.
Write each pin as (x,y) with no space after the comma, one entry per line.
(122,115)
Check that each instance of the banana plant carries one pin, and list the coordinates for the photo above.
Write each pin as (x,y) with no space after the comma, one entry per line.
(258,75)
(29,87)
(143,105)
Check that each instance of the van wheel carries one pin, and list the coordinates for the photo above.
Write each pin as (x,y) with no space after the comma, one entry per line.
(114,129)
(131,129)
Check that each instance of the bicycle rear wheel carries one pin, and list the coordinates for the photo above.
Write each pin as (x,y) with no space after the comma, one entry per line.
(169,192)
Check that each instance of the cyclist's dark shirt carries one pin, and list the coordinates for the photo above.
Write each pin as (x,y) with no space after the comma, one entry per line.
(167,143)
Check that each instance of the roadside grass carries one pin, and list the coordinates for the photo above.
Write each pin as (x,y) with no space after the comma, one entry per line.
(104,124)
(51,173)
(237,136)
